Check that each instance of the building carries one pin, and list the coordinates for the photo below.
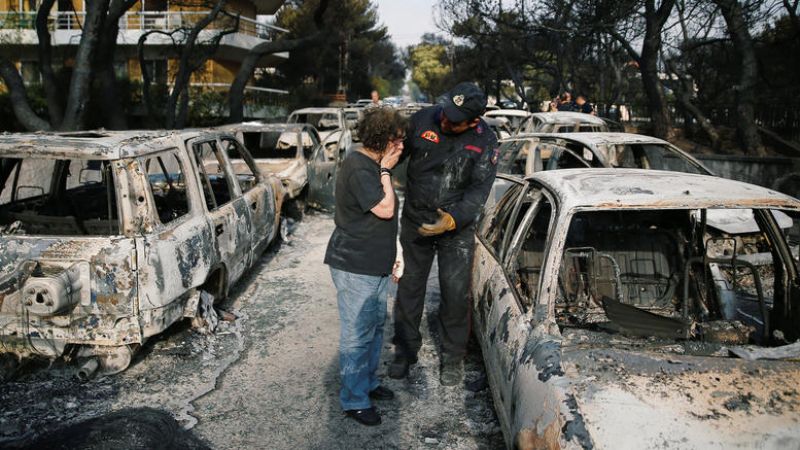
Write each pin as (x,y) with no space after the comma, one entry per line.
(18,37)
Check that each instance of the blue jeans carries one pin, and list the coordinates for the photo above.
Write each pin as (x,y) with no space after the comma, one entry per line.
(362,313)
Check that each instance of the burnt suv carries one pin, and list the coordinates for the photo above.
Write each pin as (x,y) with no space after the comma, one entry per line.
(109,238)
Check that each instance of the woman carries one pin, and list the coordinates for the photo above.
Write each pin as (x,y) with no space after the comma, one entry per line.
(361,255)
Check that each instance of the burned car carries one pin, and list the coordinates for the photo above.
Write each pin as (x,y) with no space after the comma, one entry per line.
(109,238)
(331,123)
(516,117)
(525,154)
(562,122)
(281,149)
(611,314)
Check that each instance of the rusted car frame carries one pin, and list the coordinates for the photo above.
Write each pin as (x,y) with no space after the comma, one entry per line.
(562,122)
(525,154)
(109,238)
(608,310)
(281,149)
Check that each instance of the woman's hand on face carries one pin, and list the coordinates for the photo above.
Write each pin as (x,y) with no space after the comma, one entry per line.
(391,156)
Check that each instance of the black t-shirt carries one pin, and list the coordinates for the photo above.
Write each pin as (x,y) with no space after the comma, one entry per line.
(362,242)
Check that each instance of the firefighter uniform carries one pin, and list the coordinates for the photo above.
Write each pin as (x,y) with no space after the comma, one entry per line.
(453,173)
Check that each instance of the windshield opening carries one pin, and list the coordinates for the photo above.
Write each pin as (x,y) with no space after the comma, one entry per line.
(649,156)
(698,279)
(57,197)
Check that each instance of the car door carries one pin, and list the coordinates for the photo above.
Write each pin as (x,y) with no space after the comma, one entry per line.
(531,355)
(508,298)
(259,196)
(322,173)
(227,209)
(491,290)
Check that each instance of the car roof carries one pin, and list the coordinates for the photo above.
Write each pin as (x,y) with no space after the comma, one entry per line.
(508,112)
(319,110)
(568,117)
(655,189)
(100,144)
(262,126)
(596,138)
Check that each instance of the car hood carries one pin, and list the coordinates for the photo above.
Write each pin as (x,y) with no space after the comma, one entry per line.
(631,399)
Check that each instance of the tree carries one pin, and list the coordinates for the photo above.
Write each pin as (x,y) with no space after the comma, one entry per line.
(430,66)
(192,56)
(352,51)
(69,113)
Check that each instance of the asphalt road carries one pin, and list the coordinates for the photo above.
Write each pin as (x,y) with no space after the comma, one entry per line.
(268,379)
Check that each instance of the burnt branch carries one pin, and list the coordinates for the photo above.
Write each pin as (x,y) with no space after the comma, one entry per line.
(19,98)
(236,93)
(52,97)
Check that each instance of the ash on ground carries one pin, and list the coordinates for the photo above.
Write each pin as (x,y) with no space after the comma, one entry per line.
(268,379)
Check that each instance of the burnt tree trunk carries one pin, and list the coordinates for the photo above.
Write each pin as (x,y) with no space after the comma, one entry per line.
(79,92)
(186,68)
(655,18)
(746,130)
(236,93)
(113,114)
(647,59)
(19,98)
(49,83)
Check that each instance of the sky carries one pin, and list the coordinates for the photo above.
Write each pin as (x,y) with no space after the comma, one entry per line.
(407,20)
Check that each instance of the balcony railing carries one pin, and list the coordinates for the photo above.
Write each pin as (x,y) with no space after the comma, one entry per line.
(142,20)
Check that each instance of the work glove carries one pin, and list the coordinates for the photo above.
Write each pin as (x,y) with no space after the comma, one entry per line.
(443,224)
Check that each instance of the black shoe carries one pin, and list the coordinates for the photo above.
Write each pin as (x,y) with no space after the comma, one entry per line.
(381,393)
(368,417)
(399,367)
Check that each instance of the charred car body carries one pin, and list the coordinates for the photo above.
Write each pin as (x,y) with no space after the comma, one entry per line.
(109,238)
(281,149)
(525,154)
(331,123)
(562,122)
(608,311)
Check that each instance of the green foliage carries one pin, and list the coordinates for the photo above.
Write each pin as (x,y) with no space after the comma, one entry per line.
(430,69)
(356,52)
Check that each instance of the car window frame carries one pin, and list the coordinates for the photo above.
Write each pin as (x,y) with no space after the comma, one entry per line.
(175,151)
(233,184)
(246,157)
(516,244)
(483,226)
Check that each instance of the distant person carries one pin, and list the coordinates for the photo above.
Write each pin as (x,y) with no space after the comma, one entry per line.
(361,254)
(553,105)
(376,100)
(565,102)
(581,105)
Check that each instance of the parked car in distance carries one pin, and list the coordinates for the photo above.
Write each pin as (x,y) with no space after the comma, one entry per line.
(352,116)
(281,149)
(604,302)
(108,238)
(498,125)
(515,117)
(525,154)
(293,152)
(562,122)
(327,122)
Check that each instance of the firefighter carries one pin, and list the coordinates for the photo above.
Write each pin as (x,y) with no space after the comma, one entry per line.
(452,164)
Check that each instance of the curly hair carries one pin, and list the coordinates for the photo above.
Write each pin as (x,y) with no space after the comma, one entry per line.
(380,125)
